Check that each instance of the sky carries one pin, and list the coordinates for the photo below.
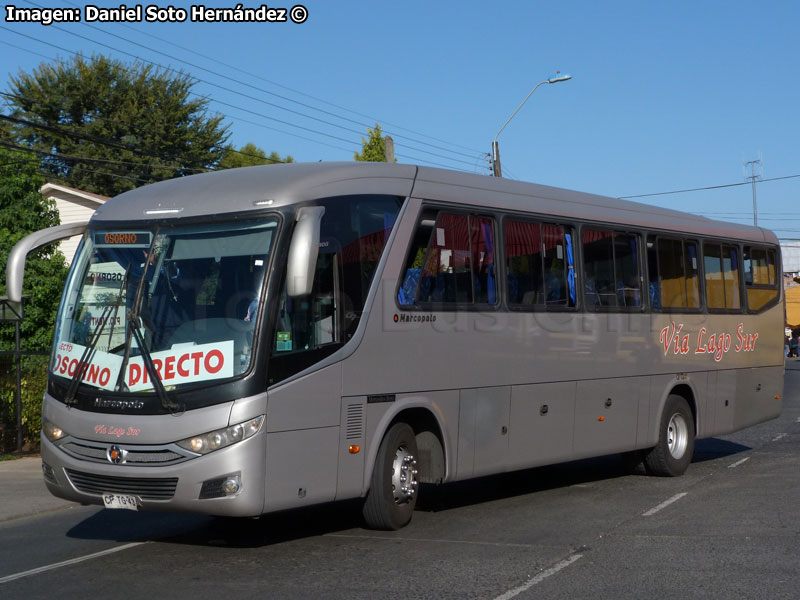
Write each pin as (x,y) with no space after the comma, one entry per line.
(663,97)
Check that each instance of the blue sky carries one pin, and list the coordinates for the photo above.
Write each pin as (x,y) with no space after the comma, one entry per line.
(664,96)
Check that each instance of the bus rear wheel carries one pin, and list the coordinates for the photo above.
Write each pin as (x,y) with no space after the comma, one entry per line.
(673,453)
(393,486)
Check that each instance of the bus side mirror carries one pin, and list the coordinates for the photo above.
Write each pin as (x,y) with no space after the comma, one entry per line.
(303,251)
(15,270)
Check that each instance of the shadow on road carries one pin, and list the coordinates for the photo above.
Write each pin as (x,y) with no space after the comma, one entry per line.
(713,448)
(126,526)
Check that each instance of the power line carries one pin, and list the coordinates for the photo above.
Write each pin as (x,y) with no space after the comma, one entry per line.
(281,86)
(711,187)
(48,154)
(254,98)
(221,87)
(173,71)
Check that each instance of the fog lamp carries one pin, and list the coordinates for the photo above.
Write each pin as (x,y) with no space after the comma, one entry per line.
(231,485)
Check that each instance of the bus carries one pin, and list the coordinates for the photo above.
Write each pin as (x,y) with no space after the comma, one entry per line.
(254,340)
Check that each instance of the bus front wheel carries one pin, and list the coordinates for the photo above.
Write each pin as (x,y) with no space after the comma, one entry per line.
(673,453)
(393,486)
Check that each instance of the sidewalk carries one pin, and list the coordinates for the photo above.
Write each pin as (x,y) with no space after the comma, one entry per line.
(22,490)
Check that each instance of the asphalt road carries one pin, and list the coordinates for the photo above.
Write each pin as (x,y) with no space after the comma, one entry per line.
(729,528)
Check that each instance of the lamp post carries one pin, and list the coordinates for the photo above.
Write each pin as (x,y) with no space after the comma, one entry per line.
(495,147)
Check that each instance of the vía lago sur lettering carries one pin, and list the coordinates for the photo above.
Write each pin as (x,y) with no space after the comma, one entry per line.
(675,342)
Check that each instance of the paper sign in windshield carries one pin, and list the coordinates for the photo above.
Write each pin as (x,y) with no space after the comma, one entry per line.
(187,364)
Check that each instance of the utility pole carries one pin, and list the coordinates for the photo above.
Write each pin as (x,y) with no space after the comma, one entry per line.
(388,149)
(752,177)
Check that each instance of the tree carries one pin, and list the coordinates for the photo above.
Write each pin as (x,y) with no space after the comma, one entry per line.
(249,155)
(106,127)
(374,148)
(23,210)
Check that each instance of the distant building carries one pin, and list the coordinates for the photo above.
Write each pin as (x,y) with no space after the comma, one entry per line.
(791,258)
(74,206)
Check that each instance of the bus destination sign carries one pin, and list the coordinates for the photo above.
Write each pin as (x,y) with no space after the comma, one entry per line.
(123,239)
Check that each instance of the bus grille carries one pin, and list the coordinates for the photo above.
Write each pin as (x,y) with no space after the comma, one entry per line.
(135,455)
(147,488)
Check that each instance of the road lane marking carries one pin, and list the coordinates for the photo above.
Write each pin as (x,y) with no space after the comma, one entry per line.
(664,504)
(540,577)
(739,462)
(779,437)
(428,540)
(66,563)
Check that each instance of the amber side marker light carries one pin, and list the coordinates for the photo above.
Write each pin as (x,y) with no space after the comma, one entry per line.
(777,396)
(601,418)
(354,449)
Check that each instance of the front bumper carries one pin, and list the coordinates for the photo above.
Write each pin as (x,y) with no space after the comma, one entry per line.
(175,487)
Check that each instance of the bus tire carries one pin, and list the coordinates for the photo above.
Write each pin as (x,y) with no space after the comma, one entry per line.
(394,487)
(673,453)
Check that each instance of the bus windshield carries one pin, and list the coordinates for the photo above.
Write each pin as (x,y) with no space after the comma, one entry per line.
(184,299)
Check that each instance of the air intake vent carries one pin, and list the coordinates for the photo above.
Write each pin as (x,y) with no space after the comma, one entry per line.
(147,488)
(355,421)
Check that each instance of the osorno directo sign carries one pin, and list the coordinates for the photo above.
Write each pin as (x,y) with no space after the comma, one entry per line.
(184,364)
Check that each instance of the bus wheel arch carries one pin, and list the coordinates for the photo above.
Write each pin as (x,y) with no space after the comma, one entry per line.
(686,392)
(430,445)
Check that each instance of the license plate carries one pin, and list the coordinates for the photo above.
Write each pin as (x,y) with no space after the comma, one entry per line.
(120,501)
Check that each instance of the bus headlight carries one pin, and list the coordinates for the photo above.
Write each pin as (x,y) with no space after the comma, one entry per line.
(52,431)
(214,440)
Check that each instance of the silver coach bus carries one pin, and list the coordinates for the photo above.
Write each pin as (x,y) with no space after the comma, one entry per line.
(261,339)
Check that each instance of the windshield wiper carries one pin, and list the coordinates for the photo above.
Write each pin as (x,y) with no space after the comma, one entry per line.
(87,356)
(134,323)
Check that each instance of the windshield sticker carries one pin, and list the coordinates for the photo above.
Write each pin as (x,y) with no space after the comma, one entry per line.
(174,367)
(101,372)
(183,365)
(676,342)
(283,342)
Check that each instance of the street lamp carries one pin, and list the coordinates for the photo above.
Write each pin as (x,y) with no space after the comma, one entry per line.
(495,147)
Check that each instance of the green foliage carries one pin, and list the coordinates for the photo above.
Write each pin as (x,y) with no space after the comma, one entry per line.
(105,110)
(23,210)
(33,384)
(374,148)
(249,155)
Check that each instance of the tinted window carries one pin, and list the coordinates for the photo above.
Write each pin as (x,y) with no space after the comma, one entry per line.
(540,265)
(611,269)
(760,277)
(673,269)
(721,265)
(451,261)
(353,234)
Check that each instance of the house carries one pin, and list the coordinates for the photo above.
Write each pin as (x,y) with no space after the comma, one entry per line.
(790,252)
(74,206)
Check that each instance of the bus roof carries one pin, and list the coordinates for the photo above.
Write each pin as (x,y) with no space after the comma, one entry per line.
(231,191)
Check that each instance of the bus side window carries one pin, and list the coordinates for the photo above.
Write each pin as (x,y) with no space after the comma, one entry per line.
(674,273)
(451,261)
(353,234)
(540,265)
(611,269)
(759,277)
(721,265)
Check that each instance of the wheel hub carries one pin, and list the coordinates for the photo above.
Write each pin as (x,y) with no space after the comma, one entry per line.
(404,476)
(677,435)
